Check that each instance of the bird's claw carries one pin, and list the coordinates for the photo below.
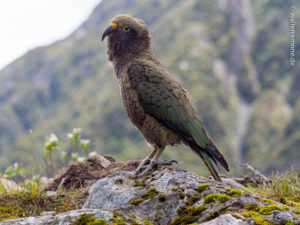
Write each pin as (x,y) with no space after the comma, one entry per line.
(152,164)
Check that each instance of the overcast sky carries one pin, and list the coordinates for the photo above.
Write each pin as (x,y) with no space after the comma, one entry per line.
(25,24)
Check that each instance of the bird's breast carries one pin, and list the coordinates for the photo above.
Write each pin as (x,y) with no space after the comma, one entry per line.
(131,102)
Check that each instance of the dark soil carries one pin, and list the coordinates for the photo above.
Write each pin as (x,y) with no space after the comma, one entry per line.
(79,175)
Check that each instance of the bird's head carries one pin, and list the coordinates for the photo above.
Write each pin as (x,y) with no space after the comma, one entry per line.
(126,36)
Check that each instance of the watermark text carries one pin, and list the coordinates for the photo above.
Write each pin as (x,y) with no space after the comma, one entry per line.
(292,22)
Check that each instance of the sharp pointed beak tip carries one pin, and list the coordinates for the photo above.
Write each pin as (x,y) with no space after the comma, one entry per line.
(107,32)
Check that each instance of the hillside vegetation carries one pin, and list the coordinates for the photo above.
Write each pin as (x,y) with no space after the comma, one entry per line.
(233,57)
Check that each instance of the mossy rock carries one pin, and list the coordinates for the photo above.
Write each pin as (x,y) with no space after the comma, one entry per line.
(257,218)
(216,197)
(202,187)
(152,192)
(193,199)
(86,219)
(235,193)
(267,210)
(252,206)
(162,197)
(188,214)
(136,201)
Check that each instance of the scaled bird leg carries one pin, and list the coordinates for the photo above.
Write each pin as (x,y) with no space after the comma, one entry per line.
(148,157)
(154,162)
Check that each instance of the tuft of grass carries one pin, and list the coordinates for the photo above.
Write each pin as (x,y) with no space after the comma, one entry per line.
(30,200)
(282,186)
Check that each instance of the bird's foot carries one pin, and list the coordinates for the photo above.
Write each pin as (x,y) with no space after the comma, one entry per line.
(152,164)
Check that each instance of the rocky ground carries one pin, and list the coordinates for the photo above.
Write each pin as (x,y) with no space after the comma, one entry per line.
(167,196)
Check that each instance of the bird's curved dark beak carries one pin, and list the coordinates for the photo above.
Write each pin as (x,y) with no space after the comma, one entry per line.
(109,30)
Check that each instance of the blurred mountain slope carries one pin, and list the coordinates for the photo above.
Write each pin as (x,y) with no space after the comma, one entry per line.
(231,55)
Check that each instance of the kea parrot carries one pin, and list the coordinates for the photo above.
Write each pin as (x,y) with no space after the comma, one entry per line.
(156,103)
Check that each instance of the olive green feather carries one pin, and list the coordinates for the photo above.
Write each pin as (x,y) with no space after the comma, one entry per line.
(163,98)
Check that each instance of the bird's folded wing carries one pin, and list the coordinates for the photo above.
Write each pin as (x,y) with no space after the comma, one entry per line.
(166,100)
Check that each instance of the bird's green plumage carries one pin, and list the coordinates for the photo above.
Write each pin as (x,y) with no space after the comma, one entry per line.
(165,99)
(156,103)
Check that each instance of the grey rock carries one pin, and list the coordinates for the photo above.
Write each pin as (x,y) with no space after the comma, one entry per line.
(225,219)
(112,192)
(282,217)
(60,219)
(48,213)
(115,193)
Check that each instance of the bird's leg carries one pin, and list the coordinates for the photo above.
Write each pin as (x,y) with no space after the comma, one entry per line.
(154,162)
(148,157)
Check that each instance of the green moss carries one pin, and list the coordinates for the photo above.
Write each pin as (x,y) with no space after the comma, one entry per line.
(136,201)
(252,206)
(178,189)
(216,213)
(267,210)
(139,183)
(202,187)
(146,222)
(162,197)
(132,177)
(296,211)
(216,197)
(118,214)
(237,216)
(290,223)
(247,190)
(235,193)
(152,192)
(181,195)
(20,203)
(118,221)
(213,215)
(257,218)
(268,201)
(86,219)
(9,213)
(134,223)
(193,199)
(188,214)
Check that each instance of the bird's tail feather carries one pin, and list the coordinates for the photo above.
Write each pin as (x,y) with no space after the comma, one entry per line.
(209,164)
(210,156)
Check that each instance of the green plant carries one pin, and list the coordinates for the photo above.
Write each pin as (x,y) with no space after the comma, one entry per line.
(15,173)
(282,186)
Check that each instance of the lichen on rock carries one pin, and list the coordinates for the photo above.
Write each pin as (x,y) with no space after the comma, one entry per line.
(171,196)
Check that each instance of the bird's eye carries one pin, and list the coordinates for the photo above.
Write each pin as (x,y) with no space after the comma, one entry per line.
(126,29)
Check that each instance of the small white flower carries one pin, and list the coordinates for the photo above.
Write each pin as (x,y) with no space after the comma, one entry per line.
(92,154)
(84,141)
(44,180)
(77,130)
(75,155)
(81,159)
(53,138)
(71,136)
(16,165)
(64,154)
